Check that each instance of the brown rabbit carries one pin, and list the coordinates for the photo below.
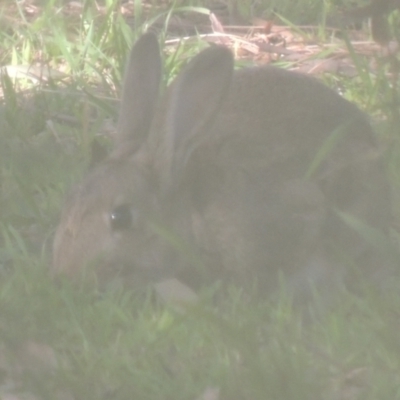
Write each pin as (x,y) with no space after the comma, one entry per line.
(231,173)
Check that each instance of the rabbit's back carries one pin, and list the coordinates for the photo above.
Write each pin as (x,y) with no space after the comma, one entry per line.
(288,112)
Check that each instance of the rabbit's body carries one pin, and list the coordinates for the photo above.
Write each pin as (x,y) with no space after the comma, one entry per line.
(223,173)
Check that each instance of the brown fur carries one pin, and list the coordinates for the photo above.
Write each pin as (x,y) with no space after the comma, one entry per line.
(220,177)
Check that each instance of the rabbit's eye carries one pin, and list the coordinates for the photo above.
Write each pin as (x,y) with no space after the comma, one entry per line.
(121,218)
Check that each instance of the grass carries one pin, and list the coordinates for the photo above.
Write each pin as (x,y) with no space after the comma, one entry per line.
(70,341)
(118,345)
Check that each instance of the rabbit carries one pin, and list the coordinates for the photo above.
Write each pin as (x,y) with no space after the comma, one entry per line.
(229,174)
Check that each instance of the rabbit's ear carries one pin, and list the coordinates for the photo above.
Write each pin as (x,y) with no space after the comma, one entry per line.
(196,97)
(140,92)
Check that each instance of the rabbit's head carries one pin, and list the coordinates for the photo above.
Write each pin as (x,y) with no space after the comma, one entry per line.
(240,172)
(135,210)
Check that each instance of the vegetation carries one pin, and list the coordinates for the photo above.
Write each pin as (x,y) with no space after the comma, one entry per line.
(66,341)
